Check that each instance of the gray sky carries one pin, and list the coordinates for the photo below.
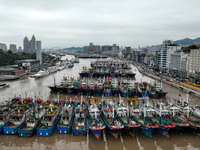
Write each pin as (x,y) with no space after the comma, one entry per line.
(66,23)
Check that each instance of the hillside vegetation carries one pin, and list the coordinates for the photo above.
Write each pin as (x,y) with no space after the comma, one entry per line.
(8,58)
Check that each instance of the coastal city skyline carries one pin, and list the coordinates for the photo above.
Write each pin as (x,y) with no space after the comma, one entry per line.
(138,23)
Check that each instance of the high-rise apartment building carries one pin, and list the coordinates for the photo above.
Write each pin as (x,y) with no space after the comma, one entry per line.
(13,48)
(194,60)
(26,45)
(30,46)
(39,51)
(167,48)
(33,45)
(3,46)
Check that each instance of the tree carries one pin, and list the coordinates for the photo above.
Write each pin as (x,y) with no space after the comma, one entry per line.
(10,52)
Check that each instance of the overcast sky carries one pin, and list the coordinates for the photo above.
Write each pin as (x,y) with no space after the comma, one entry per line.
(66,23)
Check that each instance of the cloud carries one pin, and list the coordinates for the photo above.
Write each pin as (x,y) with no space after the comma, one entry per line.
(68,23)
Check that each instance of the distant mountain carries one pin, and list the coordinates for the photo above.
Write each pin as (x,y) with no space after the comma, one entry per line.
(187,41)
(74,48)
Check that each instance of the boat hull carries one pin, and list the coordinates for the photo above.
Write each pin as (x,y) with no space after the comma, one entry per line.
(64,129)
(130,131)
(163,131)
(146,131)
(47,132)
(114,132)
(79,131)
(97,131)
(27,133)
(11,130)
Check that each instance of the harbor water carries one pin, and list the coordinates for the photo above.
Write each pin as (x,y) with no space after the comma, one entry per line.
(31,87)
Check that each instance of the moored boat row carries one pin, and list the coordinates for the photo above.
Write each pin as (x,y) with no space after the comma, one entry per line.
(108,86)
(25,117)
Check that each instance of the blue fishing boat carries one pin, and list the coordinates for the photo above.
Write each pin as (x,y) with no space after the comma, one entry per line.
(67,117)
(179,120)
(164,124)
(144,89)
(109,118)
(95,122)
(32,121)
(80,123)
(150,122)
(50,119)
(5,111)
(17,118)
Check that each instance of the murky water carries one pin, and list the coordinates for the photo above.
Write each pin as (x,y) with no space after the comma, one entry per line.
(29,86)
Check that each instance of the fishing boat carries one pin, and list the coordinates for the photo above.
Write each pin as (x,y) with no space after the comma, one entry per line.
(80,123)
(124,118)
(96,73)
(109,117)
(67,117)
(193,120)
(33,120)
(98,87)
(84,72)
(5,111)
(71,65)
(95,123)
(115,87)
(77,86)
(50,119)
(17,118)
(76,60)
(149,122)
(162,116)
(124,88)
(70,87)
(87,86)
(143,89)
(62,87)
(178,119)
(91,71)
(3,85)
(40,74)
(107,87)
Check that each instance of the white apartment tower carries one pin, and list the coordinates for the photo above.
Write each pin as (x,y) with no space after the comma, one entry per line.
(167,48)
(194,60)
